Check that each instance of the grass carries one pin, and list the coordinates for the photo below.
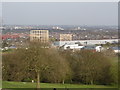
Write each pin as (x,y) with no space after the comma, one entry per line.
(7,84)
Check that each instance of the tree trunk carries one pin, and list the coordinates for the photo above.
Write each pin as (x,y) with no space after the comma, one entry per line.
(63,82)
(38,80)
(91,82)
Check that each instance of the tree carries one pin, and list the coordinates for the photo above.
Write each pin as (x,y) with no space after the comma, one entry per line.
(37,59)
(13,65)
(59,71)
(40,58)
(41,63)
(92,67)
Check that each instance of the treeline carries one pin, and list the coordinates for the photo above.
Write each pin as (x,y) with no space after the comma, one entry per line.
(43,64)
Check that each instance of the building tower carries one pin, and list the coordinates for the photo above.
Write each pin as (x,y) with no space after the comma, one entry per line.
(39,36)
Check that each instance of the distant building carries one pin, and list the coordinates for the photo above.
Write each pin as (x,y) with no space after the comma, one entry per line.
(80,47)
(78,28)
(94,48)
(65,37)
(86,42)
(39,35)
(73,47)
(57,28)
(10,36)
(116,49)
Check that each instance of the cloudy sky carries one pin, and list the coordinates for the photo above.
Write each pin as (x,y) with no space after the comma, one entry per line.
(60,13)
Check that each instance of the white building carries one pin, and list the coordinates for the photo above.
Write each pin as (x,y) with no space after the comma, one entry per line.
(116,49)
(99,48)
(89,47)
(74,46)
(86,42)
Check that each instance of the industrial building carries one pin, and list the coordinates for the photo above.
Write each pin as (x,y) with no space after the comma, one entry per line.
(85,42)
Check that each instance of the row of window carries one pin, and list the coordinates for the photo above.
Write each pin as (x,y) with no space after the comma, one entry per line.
(39,38)
(39,31)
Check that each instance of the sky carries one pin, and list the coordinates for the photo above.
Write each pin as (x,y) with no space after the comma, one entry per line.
(60,0)
(60,13)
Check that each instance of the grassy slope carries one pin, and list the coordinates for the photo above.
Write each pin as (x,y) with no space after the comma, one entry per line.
(7,84)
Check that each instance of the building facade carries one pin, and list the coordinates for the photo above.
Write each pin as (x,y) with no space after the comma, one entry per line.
(39,36)
(65,37)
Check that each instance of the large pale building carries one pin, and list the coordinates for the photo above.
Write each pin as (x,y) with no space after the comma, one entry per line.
(65,37)
(39,35)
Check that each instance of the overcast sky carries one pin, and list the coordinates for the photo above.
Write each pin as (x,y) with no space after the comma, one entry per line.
(89,13)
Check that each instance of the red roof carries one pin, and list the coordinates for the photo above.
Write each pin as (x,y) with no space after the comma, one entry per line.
(10,36)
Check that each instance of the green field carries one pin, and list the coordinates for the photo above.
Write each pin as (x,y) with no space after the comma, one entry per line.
(7,84)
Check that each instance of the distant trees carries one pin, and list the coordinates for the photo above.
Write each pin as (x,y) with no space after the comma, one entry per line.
(43,64)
